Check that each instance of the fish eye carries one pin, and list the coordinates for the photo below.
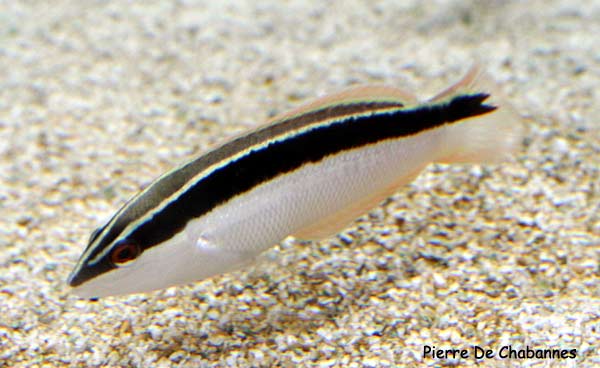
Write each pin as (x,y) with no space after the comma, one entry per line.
(124,253)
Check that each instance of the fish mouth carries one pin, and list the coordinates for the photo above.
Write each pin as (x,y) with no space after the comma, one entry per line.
(74,278)
(75,281)
(84,271)
(91,290)
(101,280)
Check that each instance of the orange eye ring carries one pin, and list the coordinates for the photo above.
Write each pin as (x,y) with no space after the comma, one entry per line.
(124,253)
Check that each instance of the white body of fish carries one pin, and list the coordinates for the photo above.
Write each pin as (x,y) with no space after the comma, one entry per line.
(312,201)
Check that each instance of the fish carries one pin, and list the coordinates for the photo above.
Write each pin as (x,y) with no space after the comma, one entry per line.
(307,173)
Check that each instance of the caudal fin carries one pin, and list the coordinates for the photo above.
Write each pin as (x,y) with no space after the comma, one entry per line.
(488,138)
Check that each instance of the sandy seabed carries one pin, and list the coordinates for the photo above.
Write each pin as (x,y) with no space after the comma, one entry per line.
(99,98)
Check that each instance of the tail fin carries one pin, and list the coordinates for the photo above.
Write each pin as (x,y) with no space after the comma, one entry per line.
(488,138)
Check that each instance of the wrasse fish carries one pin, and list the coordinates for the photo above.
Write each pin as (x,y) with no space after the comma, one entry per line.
(308,173)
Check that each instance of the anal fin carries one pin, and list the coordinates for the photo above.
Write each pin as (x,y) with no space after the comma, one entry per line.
(336,222)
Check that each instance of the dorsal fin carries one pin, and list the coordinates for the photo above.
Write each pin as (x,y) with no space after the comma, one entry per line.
(473,81)
(387,96)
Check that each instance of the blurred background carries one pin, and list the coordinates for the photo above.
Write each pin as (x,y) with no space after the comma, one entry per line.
(97,98)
